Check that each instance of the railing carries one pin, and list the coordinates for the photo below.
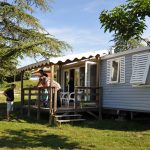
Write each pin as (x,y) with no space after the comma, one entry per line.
(84,97)
(89,97)
(32,96)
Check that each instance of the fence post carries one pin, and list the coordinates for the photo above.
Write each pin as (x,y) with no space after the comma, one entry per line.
(50,105)
(55,100)
(38,104)
(22,93)
(22,100)
(76,92)
(29,100)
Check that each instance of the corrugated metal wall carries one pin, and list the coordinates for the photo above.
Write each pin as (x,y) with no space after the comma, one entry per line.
(123,95)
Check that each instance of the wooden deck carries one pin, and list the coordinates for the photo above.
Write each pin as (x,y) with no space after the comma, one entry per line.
(91,101)
(63,109)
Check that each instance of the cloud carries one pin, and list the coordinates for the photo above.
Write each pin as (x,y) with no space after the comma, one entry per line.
(96,5)
(90,7)
(82,39)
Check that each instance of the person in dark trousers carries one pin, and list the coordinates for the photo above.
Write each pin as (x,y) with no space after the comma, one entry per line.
(9,93)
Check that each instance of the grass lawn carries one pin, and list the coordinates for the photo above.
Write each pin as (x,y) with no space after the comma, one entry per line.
(27,83)
(27,133)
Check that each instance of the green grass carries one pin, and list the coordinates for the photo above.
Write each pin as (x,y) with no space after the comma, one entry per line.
(3,98)
(27,83)
(28,133)
(24,133)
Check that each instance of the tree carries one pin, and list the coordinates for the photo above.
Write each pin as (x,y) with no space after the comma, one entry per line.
(22,35)
(126,21)
(122,45)
(27,75)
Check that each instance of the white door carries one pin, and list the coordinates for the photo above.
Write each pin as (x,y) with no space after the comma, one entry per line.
(90,73)
(90,77)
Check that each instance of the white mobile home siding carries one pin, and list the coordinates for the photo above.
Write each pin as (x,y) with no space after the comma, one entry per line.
(123,95)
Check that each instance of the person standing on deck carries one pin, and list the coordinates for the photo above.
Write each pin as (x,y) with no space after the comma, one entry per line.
(43,82)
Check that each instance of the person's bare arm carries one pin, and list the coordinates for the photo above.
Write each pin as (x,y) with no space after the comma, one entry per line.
(38,83)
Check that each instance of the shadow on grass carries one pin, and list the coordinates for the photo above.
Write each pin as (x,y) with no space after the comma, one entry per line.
(105,124)
(17,116)
(30,138)
(129,126)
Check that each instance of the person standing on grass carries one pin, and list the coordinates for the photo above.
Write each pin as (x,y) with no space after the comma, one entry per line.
(9,93)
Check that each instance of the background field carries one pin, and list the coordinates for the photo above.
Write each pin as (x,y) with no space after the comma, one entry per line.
(27,83)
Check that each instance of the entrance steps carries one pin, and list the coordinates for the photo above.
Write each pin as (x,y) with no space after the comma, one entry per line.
(66,118)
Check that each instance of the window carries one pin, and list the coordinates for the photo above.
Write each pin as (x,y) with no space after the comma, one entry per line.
(82,76)
(66,77)
(116,70)
(140,68)
(77,77)
(90,73)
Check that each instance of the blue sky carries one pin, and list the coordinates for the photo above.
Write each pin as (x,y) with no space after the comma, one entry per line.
(76,22)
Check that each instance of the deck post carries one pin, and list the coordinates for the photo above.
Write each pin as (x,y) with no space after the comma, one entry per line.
(22,93)
(87,95)
(60,69)
(76,92)
(131,115)
(38,104)
(29,101)
(51,118)
(97,71)
(100,103)
(55,100)
(50,105)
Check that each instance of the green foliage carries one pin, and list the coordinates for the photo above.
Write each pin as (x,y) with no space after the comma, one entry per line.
(126,21)
(3,85)
(27,75)
(7,68)
(123,45)
(27,83)
(22,35)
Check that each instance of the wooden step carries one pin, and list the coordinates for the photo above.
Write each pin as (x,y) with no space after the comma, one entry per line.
(90,104)
(70,120)
(74,115)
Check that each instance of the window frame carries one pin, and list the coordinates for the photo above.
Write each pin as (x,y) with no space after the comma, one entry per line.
(136,64)
(122,70)
(111,71)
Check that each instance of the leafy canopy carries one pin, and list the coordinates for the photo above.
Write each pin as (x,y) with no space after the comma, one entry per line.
(127,21)
(22,35)
(122,45)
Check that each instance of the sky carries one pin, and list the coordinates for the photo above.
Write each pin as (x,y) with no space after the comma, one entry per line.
(77,23)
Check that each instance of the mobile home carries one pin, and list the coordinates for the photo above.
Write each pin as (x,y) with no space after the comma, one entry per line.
(125,78)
